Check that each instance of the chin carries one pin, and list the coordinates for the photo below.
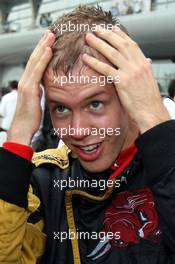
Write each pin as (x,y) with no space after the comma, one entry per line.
(95,166)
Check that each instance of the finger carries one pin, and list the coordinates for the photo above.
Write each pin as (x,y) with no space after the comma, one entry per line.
(115,29)
(100,67)
(45,34)
(38,52)
(40,67)
(44,39)
(135,47)
(149,60)
(46,42)
(104,48)
(120,32)
(126,46)
(115,40)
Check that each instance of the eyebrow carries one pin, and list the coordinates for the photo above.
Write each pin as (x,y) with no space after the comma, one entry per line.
(96,94)
(87,98)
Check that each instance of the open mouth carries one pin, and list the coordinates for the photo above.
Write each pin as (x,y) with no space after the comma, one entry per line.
(91,148)
(89,152)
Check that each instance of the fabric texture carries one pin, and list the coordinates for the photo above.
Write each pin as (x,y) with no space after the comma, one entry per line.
(137,209)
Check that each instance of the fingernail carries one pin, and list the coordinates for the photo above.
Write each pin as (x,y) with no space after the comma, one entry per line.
(116,29)
(97,28)
(100,29)
(85,56)
(90,34)
(50,35)
(47,32)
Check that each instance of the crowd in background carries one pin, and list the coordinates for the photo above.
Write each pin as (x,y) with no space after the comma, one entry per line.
(127,7)
(118,8)
(45,21)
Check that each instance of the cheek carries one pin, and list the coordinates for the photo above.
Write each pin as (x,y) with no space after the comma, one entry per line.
(114,117)
(59,122)
(60,127)
(54,121)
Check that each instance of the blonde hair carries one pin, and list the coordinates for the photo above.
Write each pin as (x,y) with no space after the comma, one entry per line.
(70,45)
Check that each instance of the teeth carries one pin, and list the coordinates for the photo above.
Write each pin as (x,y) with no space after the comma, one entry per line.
(90,148)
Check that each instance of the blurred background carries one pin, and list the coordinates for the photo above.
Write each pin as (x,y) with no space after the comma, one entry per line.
(150,22)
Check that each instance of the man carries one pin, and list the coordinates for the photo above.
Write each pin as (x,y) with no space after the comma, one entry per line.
(7,110)
(171,89)
(8,105)
(101,198)
(167,101)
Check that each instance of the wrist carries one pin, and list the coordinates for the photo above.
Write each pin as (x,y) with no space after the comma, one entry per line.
(19,136)
(23,151)
(151,120)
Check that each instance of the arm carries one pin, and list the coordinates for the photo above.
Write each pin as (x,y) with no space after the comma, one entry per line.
(139,94)
(157,149)
(28,113)
(22,242)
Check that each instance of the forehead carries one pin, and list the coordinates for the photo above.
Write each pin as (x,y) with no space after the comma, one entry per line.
(82,83)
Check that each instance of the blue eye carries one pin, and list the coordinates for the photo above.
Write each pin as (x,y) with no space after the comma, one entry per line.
(95,105)
(62,109)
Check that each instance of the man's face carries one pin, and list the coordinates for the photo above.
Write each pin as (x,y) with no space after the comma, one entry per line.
(89,109)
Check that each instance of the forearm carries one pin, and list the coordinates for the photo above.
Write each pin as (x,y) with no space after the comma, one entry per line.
(17,237)
(157,149)
(15,174)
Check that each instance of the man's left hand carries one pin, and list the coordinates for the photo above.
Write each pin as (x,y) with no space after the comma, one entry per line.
(138,90)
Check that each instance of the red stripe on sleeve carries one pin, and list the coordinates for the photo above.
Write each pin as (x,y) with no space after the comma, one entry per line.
(23,151)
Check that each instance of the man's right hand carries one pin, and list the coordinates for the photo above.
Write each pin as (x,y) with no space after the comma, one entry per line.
(28,110)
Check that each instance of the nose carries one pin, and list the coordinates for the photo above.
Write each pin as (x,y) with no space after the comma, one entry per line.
(79,126)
